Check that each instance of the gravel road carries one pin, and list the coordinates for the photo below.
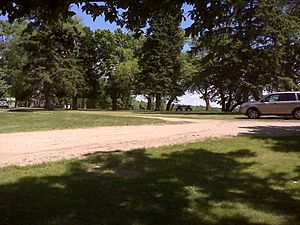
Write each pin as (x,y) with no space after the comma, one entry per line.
(25,148)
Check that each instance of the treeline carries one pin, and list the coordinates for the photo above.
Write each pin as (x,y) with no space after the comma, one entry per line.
(66,61)
(254,47)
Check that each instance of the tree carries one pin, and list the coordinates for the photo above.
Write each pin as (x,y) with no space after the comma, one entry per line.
(248,52)
(123,78)
(52,66)
(12,58)
(201,79)
(160,58)
(3,84)
(181,79)
(115,53)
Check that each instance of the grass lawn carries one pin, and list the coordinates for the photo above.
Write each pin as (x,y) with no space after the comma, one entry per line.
(209,115)
(196,115)
(15,121)
(234,181)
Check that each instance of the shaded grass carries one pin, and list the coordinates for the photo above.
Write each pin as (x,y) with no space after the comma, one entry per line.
(249,181)
(15,121)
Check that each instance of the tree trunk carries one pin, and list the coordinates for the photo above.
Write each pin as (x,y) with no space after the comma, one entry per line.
(256,95)
(49,103)
(149,103)
(158,102)
(114,99)
(207,103)
(169,104)
(229,102)
(75,103)
(84,103)
(223,101)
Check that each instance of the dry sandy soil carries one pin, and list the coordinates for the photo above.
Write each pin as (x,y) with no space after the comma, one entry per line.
(44,146)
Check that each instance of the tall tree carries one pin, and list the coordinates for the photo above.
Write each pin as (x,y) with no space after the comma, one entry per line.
(181,79)
(160,57)
(12,58)
(116,53)
(52,66)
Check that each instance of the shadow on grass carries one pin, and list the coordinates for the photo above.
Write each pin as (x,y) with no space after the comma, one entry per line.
(188,113)
(258,131)
(264,118)
(26,110)
(184,187)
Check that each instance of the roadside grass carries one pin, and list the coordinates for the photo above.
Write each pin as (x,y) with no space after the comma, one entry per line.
(233,181)
(195,115)
(16,121)
(214,115)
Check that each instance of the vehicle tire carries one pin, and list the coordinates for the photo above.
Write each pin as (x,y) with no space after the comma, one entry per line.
(296,114)
(253,113)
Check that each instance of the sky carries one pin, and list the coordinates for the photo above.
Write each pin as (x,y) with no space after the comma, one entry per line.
(99,23)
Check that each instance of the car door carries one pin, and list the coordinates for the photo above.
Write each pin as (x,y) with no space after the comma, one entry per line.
(286,103)
(269,104)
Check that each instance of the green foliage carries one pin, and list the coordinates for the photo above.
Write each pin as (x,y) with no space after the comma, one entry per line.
(52,66)
(116,53)
(66,60)
(254,49)
(12,58)
(3,84)
(134,15)
(160,63)
(241,49)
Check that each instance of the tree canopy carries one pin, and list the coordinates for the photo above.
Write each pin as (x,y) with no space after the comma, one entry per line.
(134,14)
(239,49)
(255,49)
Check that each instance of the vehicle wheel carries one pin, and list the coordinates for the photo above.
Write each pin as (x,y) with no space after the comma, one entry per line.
(253,114)
(296,114)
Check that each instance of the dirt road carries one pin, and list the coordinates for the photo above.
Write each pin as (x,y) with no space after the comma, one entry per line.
(44,146)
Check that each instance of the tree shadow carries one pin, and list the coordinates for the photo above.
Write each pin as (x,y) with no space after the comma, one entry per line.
(297,170)
(16,110)
(285,117)
(216,113)
(282,137)
(287,144)
(184,187)
(258,131)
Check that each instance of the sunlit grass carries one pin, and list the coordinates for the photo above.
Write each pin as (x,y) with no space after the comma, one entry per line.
(16,121)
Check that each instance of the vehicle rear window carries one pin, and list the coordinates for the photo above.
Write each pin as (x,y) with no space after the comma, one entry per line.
(287,97)
(298,96)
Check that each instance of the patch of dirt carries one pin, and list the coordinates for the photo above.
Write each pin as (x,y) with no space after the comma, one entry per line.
(26,148)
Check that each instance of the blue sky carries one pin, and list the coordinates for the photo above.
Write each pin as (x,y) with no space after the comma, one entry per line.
(100,23)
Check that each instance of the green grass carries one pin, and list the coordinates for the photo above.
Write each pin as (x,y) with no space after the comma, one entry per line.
(15,121)
(234,181)
(196,115)
(33,120)
(214,115)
